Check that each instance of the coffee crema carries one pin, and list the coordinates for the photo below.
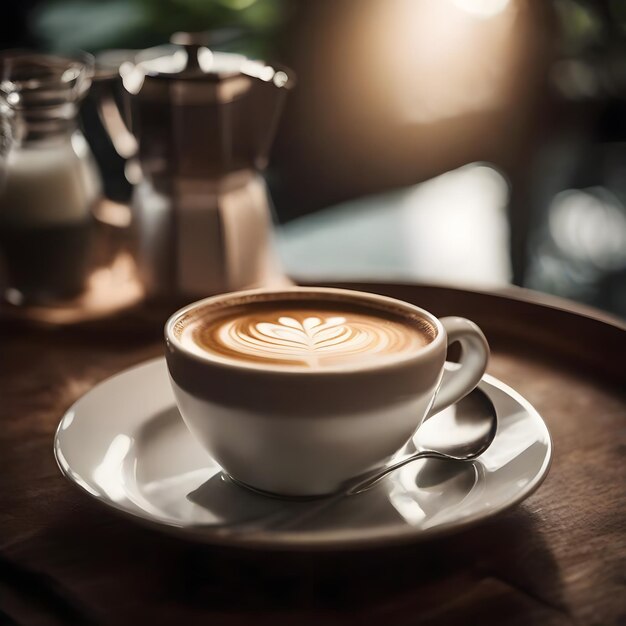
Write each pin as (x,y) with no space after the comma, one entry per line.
(306,334)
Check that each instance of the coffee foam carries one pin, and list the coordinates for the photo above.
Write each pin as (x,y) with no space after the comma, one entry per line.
(303,334)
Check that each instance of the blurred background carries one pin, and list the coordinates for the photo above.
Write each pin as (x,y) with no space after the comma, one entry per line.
(472,142)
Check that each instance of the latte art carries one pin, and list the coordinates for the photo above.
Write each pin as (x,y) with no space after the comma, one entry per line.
(310,338)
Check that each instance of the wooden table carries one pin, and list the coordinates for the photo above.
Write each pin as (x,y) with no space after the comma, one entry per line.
(559,558)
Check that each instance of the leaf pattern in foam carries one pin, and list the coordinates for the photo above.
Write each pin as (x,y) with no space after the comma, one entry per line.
(311,333)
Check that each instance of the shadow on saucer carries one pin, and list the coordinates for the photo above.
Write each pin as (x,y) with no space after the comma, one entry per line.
(441,487)
(234,504)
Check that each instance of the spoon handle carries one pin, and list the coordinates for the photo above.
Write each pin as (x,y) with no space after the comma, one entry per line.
(357,485)
(363,483)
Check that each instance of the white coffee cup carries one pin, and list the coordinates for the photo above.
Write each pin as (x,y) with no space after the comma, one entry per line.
(304,432)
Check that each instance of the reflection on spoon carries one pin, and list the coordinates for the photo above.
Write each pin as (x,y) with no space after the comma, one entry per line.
(426,493)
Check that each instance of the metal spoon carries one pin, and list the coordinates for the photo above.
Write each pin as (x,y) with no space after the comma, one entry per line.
(461,432)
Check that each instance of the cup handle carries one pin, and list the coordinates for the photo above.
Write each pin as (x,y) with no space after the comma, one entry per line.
(457,383)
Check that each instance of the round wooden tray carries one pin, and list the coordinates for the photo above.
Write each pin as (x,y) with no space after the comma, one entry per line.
(558,558)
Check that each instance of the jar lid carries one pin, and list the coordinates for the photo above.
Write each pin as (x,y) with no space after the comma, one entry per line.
(31,79)
(189,57)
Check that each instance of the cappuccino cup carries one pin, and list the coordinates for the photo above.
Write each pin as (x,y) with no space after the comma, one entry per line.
(294,392)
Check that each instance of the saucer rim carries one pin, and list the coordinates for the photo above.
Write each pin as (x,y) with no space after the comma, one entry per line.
(304,541)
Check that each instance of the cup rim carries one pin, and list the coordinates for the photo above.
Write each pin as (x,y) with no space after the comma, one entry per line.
(393,361)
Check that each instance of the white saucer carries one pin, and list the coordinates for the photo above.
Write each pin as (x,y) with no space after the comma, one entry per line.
(125,444)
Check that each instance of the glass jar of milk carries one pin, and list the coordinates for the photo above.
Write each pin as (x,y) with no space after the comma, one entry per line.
(51,179)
